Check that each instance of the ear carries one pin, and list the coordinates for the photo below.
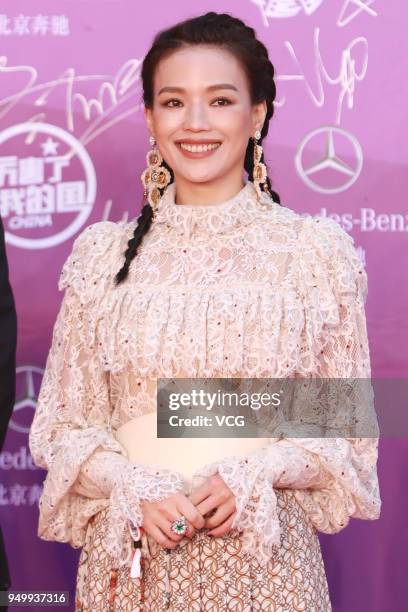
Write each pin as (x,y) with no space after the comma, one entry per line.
(149,119)
(258,115)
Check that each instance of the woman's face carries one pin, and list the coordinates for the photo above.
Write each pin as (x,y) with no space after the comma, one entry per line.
(201,95)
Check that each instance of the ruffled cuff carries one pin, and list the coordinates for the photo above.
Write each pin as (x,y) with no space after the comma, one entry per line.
(253,479)
(99,473)
(353,490)
(333,480)
(256,502)
(63,514)
(137,482)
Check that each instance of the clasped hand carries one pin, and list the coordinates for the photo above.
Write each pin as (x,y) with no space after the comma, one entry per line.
(210,506)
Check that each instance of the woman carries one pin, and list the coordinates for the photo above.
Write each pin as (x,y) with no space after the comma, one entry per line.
(218,280)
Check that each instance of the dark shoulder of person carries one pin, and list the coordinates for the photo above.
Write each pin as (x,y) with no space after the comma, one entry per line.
(8,341)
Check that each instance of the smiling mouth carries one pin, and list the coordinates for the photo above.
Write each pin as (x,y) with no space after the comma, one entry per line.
(198,148)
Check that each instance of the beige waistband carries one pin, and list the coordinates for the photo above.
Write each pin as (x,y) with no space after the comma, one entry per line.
(185,455)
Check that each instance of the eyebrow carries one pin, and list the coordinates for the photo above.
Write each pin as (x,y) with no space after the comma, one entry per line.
(210,88)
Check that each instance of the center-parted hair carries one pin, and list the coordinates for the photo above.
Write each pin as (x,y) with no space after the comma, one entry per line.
(231,34)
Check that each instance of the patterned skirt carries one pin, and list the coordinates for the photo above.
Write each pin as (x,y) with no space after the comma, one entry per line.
(209,573)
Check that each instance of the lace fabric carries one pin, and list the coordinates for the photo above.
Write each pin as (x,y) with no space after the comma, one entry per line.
(237,289)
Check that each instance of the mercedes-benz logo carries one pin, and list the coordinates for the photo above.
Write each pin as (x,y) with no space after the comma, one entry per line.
(28,383)
(329,171)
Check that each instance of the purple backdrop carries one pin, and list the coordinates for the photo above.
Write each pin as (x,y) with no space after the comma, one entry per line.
(72,147)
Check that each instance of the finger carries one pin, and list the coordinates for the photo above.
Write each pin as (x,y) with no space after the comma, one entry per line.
(159,536)
(165,525)
(214,484)
(221,514)
(209,514)
(209,504)
(169,510)
(190,511)
(199,494)
(224,528)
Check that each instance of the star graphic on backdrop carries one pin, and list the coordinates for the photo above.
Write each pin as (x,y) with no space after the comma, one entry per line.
(49,147)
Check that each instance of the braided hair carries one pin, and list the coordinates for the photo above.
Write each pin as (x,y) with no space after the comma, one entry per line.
(227,32)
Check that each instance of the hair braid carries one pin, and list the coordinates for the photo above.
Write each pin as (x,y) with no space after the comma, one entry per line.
(144,222)
(267,92)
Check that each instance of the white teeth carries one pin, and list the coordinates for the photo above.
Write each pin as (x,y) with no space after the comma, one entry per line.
(199,148)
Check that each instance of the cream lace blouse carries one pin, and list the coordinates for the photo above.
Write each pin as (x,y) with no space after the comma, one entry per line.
(238,289)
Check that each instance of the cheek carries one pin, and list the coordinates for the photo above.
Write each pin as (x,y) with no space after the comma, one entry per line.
(235,124)
(166,124)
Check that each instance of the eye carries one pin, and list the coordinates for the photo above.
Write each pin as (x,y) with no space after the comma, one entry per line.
(168,102)
(223,100)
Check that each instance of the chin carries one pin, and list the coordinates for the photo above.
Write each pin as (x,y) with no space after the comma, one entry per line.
(197,178)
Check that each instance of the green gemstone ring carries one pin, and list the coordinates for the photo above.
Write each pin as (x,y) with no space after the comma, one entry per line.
(179,526)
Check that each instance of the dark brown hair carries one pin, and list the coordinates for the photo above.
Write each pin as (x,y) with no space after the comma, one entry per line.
(229,33)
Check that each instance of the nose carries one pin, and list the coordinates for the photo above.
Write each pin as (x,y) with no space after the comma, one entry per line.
(196,117)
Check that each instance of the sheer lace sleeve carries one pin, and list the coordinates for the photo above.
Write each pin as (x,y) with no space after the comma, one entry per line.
(70,436)
(333,479)
(353,488)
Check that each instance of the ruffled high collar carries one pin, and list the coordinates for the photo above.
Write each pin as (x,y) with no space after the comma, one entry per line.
(242,209)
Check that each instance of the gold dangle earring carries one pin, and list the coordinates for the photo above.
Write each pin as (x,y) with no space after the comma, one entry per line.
(259,173)
(155,177)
